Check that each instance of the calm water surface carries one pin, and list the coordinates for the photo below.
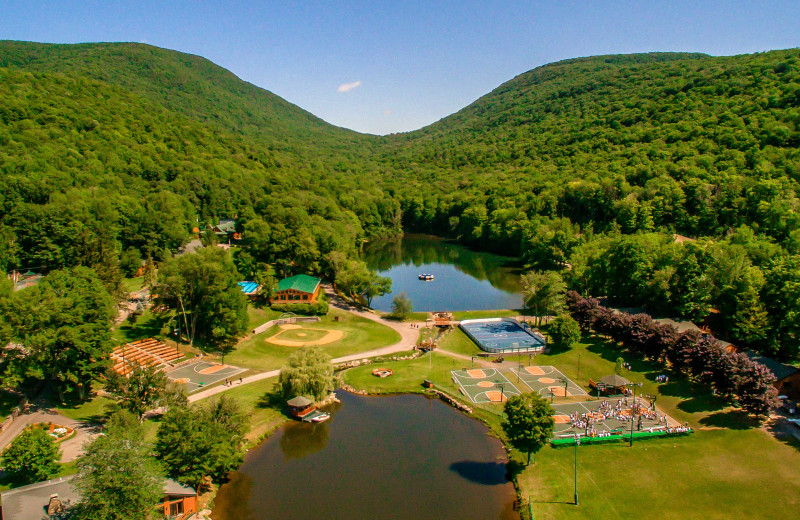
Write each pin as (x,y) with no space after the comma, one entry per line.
(392,458)
(464,279)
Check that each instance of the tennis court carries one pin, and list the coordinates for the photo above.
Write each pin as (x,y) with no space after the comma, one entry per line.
(199,374)
(547,379)
(484,385)
(502,335)
(606,418)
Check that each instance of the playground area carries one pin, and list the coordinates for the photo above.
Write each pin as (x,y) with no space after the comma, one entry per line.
(293,335)
(608,416)
(547,380)
(484,385)
(199,374)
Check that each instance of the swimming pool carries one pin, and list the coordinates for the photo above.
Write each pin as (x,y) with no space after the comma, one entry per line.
(503,335)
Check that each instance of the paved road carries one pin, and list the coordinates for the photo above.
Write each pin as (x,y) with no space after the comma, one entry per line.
(70,448)
(409,332)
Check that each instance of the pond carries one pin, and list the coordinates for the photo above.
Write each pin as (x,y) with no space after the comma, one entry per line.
(463,279)
(404,457)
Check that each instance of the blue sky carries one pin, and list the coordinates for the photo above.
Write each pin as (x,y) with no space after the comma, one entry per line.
(408,63)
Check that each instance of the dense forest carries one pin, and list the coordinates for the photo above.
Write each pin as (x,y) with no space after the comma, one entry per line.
(662,180)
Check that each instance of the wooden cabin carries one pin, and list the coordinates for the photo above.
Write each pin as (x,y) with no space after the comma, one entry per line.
(301,288)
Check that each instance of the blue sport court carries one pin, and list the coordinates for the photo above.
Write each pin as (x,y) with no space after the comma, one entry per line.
(503,335)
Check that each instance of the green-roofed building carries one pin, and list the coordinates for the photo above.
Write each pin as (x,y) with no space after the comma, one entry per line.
(301,288)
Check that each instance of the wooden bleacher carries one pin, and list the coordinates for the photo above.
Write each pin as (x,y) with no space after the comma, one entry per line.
(147,352)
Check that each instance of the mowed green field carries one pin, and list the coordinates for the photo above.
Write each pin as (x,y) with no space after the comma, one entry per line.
(304,334)
(360,335)
(726,469)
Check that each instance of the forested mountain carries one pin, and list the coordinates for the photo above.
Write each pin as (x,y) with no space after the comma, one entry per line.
(89,169)
(586,166)
(189,85)
(684,141)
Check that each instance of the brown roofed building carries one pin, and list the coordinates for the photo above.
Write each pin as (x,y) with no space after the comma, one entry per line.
(52,497)
(787,377)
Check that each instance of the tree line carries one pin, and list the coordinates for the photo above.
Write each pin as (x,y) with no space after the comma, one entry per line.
(699,356)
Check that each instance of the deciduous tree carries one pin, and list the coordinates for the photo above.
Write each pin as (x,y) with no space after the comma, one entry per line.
(528,423)
(31,457)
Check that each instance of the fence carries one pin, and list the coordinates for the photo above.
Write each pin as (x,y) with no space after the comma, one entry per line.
(570,441)
(283,321)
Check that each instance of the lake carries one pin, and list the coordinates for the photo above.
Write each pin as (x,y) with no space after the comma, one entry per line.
(463,279)
(404,457)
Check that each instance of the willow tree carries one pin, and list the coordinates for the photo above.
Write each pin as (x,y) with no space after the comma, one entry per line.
(309,373)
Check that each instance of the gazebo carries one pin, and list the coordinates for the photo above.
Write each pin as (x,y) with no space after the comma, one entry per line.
(297,405)
(610,384)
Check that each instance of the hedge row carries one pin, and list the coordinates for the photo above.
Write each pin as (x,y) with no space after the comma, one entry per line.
(700,356)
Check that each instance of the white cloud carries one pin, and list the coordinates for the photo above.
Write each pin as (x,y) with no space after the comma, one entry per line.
(345,87)
(387,112)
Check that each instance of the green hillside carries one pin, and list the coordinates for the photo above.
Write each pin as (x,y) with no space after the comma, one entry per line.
(89,169)
(599,138)
(187,84)
(586,166)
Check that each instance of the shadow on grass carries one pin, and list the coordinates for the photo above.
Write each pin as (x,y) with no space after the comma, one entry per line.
(275,401)
(696,397)
(783,430)
(611,352)
(732,420)
(140,327)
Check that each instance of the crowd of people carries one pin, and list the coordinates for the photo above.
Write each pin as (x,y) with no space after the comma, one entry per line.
(623,410)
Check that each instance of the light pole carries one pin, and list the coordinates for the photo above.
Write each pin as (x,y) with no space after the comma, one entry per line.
(502,393)
(577,443)
(579,366)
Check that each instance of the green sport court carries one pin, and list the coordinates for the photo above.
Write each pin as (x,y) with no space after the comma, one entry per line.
(484,385)
(602,422)
(199,374)
(546,379)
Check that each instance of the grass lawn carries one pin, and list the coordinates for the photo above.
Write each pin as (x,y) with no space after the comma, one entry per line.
(258,315)
(459,343)
(133,284)
(361,335)
(265,413)
(146,326)
(726,469)
(90,411)
(304,335)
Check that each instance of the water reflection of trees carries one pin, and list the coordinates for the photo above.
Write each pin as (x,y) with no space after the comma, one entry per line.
(233,499)
(301,440)
(417,250)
